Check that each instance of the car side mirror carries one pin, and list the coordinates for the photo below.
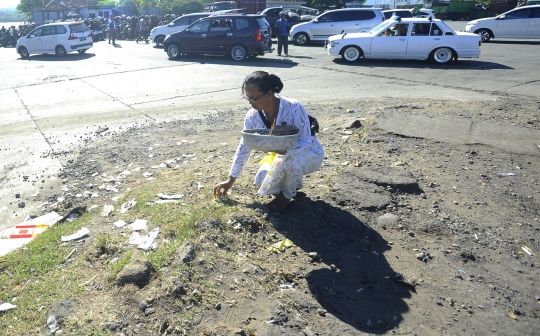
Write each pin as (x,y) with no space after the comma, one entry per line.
(315,20)
(502,17)
(171,24)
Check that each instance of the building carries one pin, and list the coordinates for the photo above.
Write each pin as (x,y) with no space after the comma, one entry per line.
(72,9)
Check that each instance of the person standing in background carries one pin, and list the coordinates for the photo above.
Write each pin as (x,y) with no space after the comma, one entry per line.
(282,31)
(112,31)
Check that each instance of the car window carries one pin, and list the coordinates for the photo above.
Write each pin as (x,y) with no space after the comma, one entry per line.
(421,29)
(328,17)
(221,25)
(61,30)
(365,15)
(184,21)
(401,29)
(343,16)
(244,23)
(36,32)
(519,14)
(536,14)
(426,14)
(78,28)
(200,27)
(195,18)
(49,31)
(436,30)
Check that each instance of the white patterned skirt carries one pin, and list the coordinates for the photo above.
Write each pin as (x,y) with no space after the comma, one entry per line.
(286,173)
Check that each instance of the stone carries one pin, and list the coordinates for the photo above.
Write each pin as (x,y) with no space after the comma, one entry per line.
(309,332)
(137,272)
(217,306)
(240,332)
(321,312)
(314,255)
(186,252)
(196,293)
(420,256)
(21,204)
(352,124)
(388,219)
(59,332)
(111,326)
(61,309)
(149,311)
(143,305)
(208,223)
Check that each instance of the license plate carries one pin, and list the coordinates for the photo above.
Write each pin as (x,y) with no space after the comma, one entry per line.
(82,38)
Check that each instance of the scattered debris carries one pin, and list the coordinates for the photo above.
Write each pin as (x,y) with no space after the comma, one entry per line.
(412,281)
(7,306)
(119,223)
(280,246)
(127,205)
(144,242)
(107,209)
(79,234)
(170,196)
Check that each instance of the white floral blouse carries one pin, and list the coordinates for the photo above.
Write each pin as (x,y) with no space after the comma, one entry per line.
(293,113)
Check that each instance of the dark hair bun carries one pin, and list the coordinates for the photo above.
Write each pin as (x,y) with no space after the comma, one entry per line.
(264,81)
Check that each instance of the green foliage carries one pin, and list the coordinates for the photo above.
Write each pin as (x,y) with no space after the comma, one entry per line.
(326,4)
(26,6)
(107,3)
(7,15)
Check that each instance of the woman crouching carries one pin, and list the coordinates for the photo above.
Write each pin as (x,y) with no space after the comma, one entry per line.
(284,176)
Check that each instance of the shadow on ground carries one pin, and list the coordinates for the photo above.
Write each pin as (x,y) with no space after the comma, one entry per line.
(462,64)
(360,291)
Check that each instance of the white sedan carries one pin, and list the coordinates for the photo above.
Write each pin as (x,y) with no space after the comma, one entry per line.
(413,38)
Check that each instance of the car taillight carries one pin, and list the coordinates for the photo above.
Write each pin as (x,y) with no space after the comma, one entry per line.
(71,37)
(258,36)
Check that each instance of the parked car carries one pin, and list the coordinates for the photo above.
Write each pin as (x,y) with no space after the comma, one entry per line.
(58,38)
(414,38)
(158,34)
(334,22)
(406,13)
(237,35)
(272,15)
(520,22)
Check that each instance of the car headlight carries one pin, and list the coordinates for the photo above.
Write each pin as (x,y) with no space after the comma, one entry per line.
(332,44)
(472,23)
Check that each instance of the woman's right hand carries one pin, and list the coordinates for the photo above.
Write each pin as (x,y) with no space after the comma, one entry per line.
(223,187)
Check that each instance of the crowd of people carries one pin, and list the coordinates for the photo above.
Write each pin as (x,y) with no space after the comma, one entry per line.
(125,27)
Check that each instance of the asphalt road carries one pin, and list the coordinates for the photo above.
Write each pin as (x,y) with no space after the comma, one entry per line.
(49,103)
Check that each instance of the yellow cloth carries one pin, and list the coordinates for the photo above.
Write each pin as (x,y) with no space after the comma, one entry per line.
(268,158)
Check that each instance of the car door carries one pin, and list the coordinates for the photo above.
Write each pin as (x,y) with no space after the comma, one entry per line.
(534,24)
(513,24)
(324,25)
(49,39)
(220,35)
(194,39)
(33,41)
(347,22)
(392,46)
(424,37)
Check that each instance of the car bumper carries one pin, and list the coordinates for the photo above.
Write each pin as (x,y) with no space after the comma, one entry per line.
(153,36)
(332,51)
(470,29)
(82,46)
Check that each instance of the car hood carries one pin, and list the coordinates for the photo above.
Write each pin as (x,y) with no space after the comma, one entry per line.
(351,35)
(485,20)
(301,25)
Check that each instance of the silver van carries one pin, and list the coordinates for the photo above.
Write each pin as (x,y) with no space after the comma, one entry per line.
(349,20)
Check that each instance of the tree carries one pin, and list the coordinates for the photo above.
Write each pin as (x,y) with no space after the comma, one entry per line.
(107,3)
(26,6)
(326,4)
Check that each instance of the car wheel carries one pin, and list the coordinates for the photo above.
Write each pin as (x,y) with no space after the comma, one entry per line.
(484,34)
(60,51)
(351,54)
(173,51)
(238,52)
(301,39)
(159,41)
(442,55)
(23,52)
(82,51)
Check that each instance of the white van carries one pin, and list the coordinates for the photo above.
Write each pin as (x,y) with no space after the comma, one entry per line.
(349,20)
(158,34)
(520,22)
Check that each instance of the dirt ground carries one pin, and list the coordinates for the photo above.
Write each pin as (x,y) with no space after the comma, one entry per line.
(442,218)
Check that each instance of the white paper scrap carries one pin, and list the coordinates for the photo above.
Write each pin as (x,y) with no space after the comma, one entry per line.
(107,209)
(79,234)
(139,224)
(170,197)
(120,223)
(6,306)
(127,205)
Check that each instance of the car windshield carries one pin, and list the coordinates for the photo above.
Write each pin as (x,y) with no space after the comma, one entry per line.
(381,27)
(78,28)
(444,26)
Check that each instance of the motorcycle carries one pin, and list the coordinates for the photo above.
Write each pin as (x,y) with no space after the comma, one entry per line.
(9,42)
(98,35)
